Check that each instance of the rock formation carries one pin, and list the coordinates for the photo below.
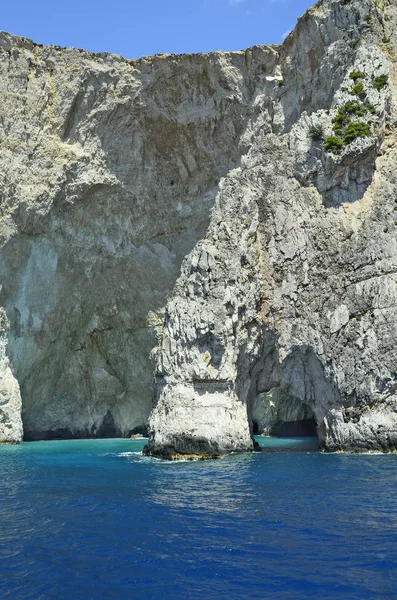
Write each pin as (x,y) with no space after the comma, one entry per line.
(110,168)
(286,310)
(235,211)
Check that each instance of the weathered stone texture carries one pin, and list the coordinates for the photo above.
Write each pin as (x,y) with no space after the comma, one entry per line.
(181,202)
(287,308)
(110,169)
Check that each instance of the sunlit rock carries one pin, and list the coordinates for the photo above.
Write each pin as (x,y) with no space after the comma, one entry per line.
(225,222)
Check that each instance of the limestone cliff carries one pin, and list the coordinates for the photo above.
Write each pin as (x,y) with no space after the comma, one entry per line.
(235,210)
(109,171)
(286,310)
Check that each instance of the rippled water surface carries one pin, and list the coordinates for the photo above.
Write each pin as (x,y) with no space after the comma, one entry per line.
(95,520)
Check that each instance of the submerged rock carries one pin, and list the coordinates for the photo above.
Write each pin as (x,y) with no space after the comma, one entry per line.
(199,205)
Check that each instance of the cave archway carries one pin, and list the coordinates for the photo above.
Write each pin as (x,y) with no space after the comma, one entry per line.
(289,397)
(278,413)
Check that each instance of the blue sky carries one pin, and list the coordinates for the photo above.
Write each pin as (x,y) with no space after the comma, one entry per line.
(134,28)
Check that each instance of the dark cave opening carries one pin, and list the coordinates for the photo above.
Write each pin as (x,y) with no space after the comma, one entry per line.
(108,429)
(301,428)
(277,413)
(286,395)
(300,435)
(289,429)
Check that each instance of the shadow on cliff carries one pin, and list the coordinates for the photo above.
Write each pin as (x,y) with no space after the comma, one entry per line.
(290,397)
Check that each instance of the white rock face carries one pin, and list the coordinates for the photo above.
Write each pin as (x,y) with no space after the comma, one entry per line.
(110,169)
(286,309)
(181,202)
(10,400)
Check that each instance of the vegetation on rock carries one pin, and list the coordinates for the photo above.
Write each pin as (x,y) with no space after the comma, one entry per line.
(356,129)
(346,129)
(358,90)
(379,82)
(333,144)
(370,107)
(357,75)
(316,132)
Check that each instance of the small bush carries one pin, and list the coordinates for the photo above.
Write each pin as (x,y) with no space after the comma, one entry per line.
(380,81)
(385,40)
(370,107)
(354,108)
(316,132)
(342,118)
(357,75)
(358,90)
(356,129)
(333,144)
(356,42)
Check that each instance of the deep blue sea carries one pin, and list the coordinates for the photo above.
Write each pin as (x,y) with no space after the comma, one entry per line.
(95,520)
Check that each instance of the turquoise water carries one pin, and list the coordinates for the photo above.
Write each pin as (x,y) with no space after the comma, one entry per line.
(95,520)
(273,444)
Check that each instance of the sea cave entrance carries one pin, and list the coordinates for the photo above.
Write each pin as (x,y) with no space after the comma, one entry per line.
(287,397)
(277,413)
(287,429)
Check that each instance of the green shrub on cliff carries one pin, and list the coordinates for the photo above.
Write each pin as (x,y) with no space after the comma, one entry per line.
(358,90)
(370,107)
(333,144)
(356,129)
(342,117)
(357,75)
(380,81)
(316,132)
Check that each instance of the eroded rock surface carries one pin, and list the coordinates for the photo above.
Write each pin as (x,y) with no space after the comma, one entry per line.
(287,308)
(110,169)
(189,203)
